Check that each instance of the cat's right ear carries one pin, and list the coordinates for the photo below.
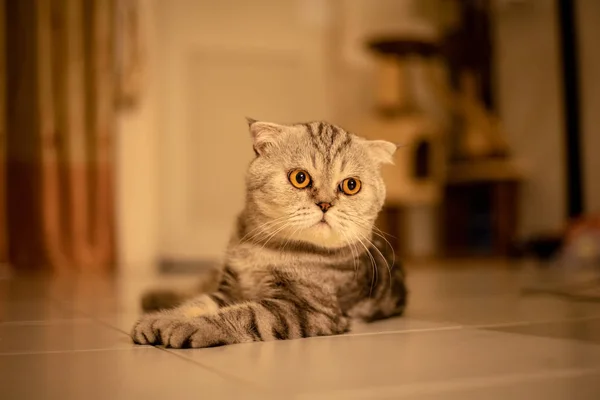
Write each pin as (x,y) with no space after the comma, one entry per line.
(263,134)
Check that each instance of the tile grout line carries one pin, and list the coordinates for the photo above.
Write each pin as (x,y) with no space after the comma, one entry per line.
(459,327)
(526,323)
(407,331)
(214,370)
(198,364)
(42,322)
(454,385)
(41,352)
(90,317)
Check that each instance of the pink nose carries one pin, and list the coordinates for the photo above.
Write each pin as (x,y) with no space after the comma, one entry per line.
(324,206)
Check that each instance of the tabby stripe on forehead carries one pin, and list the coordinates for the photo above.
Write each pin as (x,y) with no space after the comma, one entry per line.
(325,132)
(320,139)
(314,135)
(320,128)
(310,129)
(327,137)
(342,146)
(334,133)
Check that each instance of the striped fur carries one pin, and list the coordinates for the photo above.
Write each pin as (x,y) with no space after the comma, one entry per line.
(288,275)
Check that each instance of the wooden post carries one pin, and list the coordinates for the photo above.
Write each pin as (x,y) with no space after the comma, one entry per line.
(3,244)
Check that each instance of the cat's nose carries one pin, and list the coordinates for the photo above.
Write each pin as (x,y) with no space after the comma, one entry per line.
(324,206)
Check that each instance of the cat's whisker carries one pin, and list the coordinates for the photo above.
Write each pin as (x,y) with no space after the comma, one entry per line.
(260,227)
(373,264)
(352,249)
(383,258)
(290,237)
(267,230)
(355,216)
(289,223)
(357,260)
(365,226)
(389,245)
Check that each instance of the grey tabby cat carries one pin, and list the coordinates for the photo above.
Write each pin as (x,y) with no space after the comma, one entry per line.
(303,260)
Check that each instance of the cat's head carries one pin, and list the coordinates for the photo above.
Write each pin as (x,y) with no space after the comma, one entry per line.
(314,183)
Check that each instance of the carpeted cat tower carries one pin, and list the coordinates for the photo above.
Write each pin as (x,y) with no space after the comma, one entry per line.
(409,86)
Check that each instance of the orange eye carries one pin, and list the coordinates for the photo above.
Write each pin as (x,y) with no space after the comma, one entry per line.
(350,186)
(299,178)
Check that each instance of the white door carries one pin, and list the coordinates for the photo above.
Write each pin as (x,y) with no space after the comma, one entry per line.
(219,62)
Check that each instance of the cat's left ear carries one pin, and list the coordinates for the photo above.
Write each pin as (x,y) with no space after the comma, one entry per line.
(381,151)
(263,134)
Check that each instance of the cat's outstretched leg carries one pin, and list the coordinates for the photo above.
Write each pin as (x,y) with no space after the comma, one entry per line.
(269,319)
(291,310)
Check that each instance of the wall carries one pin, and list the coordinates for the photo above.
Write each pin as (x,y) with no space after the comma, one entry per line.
(356,22)
(529,100)
(137,160)
(159,196)
(263,60)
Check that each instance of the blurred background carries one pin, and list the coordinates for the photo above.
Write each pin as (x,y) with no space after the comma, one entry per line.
(124,142)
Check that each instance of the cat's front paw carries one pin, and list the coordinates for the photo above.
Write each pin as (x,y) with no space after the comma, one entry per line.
(170,330)
(155,328)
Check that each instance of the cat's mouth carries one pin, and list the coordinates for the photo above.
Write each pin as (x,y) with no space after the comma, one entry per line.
(323,222)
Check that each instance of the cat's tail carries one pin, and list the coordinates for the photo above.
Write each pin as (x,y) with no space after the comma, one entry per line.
(161,299)
(165,298)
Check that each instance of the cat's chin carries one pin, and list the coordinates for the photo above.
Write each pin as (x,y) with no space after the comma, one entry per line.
(323,235)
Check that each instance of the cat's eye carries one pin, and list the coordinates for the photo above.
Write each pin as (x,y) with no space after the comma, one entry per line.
(299,178)
(350,186)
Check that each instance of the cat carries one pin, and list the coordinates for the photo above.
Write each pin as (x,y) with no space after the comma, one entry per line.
(305,258)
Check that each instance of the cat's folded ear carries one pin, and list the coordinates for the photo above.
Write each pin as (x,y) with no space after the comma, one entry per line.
(263,134)
(381,151)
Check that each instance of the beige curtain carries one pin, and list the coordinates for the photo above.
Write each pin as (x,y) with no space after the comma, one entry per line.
(60,134)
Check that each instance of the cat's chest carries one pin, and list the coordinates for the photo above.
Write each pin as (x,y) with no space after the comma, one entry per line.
(255,258)
(255,267)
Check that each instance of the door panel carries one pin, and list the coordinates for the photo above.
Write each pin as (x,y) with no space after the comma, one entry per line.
(266,60)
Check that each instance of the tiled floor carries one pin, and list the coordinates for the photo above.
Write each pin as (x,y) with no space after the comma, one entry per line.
(468,334)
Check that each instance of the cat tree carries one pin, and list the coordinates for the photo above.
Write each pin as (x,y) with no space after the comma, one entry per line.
(408,113)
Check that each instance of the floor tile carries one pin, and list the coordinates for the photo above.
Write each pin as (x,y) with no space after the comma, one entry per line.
(370,361)
(121,321)
(398,324)
(502,310)
(74,335)
(34,310)
(119,296)
(581,384)
(468,334)
(587,330)
(145,373)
